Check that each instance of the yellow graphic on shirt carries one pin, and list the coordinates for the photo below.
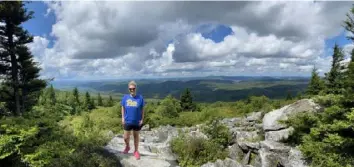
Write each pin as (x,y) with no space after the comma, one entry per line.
(132,103)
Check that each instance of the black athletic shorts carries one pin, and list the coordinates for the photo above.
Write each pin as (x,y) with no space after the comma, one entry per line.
(129,127)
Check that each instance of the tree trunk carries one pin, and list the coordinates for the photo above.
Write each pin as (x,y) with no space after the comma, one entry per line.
(14,69)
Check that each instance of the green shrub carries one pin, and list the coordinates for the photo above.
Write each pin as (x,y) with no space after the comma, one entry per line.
(328,100)
(193,151)
(218,133)
(326,138)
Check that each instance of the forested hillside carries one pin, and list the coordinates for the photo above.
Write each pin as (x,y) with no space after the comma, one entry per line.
(204,90)
(41,126)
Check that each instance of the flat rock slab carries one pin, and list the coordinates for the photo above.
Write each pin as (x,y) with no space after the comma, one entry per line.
(147,158)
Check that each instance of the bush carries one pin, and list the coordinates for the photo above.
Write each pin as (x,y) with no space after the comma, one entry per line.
(326,138)
(193,152)
(218,133)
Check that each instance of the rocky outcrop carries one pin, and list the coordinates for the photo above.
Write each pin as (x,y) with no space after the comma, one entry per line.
(256,141)
(271,119)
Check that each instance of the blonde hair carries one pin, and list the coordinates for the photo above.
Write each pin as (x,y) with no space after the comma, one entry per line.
(132,83)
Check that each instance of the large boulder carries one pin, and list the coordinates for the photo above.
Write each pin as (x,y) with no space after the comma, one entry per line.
(279,135)
(271,119)
(274,154)
(254,116)
(236,153)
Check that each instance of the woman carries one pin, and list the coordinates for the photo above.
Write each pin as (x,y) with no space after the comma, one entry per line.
(132,117)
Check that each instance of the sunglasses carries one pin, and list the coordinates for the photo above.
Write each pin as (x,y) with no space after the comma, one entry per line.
(131,89)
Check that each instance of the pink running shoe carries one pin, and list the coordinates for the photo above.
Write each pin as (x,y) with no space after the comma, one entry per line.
(136,155)
(126,150)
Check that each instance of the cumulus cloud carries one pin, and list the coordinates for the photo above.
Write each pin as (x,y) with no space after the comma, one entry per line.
(122,39)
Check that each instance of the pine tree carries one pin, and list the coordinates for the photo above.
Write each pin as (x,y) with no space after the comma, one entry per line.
(334,79)
(76,96)
(16,62)
(52,98)
(186,101)
(29,81)
(349,23)
(288,96)
(349,84)
(349,74)
(99,100)
(110,102)
(88,102)
(316,85)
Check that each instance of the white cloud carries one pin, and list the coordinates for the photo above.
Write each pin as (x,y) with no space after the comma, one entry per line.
(123,39)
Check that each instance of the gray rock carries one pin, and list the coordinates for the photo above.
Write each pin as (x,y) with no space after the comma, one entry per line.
(276,147)
(255,116)
(279,135)
(295,159)
(235,152)
(246,159)
(223,163)
(271,119)
(198,134)
(249,146)
(110,134)
(145,127)
(149,157)
(163,151)
(247,136)
(270,159)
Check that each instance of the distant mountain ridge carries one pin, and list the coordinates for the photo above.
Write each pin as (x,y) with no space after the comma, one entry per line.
(204,89)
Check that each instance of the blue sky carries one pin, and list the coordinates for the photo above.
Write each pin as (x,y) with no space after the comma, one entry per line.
(190,51)
(41,24)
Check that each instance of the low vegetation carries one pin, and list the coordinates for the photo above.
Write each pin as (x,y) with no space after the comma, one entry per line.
(195,151)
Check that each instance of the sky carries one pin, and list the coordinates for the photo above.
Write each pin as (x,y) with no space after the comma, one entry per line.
(115,39)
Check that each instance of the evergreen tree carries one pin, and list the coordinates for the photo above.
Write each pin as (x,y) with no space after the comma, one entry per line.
(20,72)
(76,96)
(99,100)
(52,98)
(88,102)
(334,79)
(110,102)
(288,96)
(316,85)
(349,23)
(349,84)
(29,81)
(186,101)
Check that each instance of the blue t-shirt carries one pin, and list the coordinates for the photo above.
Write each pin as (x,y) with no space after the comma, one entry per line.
(133,107)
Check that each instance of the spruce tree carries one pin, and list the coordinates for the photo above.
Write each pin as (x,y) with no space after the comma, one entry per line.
(186,101)
(349,84)
(22,86)
(334,79)
(88,102)
(76,96)
(288,96)
(316,84)
(29,81)
(110,102)
(52,98)
(99,100)
(349,74)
